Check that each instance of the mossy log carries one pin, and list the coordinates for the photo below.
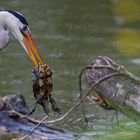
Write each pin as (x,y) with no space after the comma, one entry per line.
(118,88)
(13,119)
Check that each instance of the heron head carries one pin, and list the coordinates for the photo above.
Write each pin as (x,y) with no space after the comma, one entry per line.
(19,28)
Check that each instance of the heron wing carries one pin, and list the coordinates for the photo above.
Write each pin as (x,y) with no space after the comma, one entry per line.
(4,38)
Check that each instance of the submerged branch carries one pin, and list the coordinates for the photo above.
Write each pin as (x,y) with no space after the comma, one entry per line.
(13,118)
(121,91)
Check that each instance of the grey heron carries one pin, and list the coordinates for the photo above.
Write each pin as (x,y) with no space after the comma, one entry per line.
(14,24)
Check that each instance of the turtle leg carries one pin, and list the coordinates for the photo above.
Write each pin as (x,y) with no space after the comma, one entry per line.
(45,107)
(38,101)
(33,110)
(55,106)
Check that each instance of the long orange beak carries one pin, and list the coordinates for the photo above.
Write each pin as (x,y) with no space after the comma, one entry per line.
(31,49)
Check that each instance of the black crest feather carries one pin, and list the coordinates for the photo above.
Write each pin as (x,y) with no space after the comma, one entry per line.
(19,16)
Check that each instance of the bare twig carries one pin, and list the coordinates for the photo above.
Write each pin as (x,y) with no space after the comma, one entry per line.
(81,93)
(95,67)
(84,97)
(71,109)
(26,136)
(115,116)
(13,113)
(119,70)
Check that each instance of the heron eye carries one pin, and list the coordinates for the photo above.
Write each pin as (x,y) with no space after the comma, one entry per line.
(25,29)
(5,28)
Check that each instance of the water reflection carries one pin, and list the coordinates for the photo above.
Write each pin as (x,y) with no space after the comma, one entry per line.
(127,10)
(128,42)
(127,15)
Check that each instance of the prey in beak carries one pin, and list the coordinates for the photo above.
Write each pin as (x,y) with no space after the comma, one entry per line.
(31,49)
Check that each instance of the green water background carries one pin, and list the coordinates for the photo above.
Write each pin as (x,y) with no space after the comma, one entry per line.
(69,34)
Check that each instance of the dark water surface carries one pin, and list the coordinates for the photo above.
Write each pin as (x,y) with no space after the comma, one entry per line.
(69,34)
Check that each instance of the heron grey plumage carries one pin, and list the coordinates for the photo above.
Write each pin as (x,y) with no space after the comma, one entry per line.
(5,37)
(9,26)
